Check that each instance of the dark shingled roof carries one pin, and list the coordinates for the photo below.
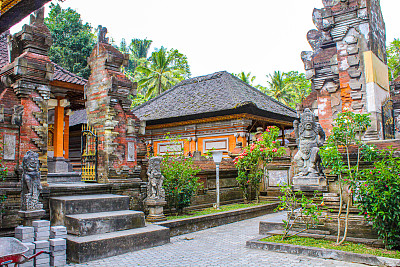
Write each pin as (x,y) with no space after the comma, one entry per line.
(61,74)
(78,117)
(212,93)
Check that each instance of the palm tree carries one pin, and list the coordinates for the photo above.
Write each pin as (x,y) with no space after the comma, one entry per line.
(160,73)
(277,88)
(139,49)
(246,77)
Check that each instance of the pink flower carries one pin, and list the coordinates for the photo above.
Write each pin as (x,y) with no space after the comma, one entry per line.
(274,142)
(365,213)
(261,149)
(365,185)
(248,181)
(274,150)
(267,130)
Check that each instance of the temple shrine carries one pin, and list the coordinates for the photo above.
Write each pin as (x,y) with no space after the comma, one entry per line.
(212,112)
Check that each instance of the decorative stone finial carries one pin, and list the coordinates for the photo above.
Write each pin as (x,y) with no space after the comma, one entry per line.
(37,17)
(101,36)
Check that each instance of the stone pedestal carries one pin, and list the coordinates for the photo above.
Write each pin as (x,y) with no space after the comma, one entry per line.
(28,216)
(59,165)
(310,183)
(156,210)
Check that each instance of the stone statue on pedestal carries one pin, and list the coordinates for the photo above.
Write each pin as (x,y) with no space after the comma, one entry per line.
(31,186)
(31,208)
(155,193)
(309,137)
(154,186)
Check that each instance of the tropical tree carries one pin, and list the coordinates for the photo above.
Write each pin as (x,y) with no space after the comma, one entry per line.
(298,86)
(73,40)
(393,56)
(246,77)
(163,70)
(277,87)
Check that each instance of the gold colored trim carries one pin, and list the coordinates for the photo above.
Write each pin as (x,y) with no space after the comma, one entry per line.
(6,5)
(220,118)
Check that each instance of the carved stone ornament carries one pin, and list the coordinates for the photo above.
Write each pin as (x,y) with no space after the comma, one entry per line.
(310,137)
(31,186)
(154,185)
(17,115)
(101,36)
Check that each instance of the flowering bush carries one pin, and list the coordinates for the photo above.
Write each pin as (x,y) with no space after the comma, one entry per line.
(251,163)
(379,198)
(180,181)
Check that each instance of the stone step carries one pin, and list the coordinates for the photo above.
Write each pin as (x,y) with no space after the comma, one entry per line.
(88,248)
(68,177)
(103,222)
(69,205)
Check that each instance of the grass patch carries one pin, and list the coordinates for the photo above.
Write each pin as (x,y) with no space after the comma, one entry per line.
(212,210)
(328,244)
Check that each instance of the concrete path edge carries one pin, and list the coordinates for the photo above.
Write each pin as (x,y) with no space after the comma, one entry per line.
(322,253)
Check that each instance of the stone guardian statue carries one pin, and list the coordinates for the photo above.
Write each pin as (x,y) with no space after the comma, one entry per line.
(309,138)
(155,199)
(31,186)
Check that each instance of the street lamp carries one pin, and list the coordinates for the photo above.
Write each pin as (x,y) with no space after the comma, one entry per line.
(217,157)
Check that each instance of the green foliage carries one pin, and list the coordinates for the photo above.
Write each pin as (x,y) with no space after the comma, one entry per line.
(379,198)
(180,182)
(298,86)
(290,88)
(328,244)
(252,162)
(3,174)
(246,77)
(393,58)
(163,70)
(300,210)
(346,134)
(73,41)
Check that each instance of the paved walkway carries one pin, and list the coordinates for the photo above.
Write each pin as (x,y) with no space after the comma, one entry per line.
(219,246)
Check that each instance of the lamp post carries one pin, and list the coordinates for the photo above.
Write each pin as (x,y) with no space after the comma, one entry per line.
(217,157)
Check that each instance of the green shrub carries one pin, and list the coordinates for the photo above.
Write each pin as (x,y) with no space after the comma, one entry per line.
(301,210)
(180,182)
(379,198)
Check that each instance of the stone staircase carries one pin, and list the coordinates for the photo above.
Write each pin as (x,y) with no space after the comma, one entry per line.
(102,226)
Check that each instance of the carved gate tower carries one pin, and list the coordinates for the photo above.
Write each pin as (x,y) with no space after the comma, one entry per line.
(348,65)
(29,75)
(108,111)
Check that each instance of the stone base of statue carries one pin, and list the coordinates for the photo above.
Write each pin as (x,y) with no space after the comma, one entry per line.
(156,210)
(310,183)
(28,216)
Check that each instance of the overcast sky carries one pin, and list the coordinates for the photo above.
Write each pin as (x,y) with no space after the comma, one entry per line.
(257,36)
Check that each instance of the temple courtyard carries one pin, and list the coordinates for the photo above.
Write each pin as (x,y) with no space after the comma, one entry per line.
(219,246)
